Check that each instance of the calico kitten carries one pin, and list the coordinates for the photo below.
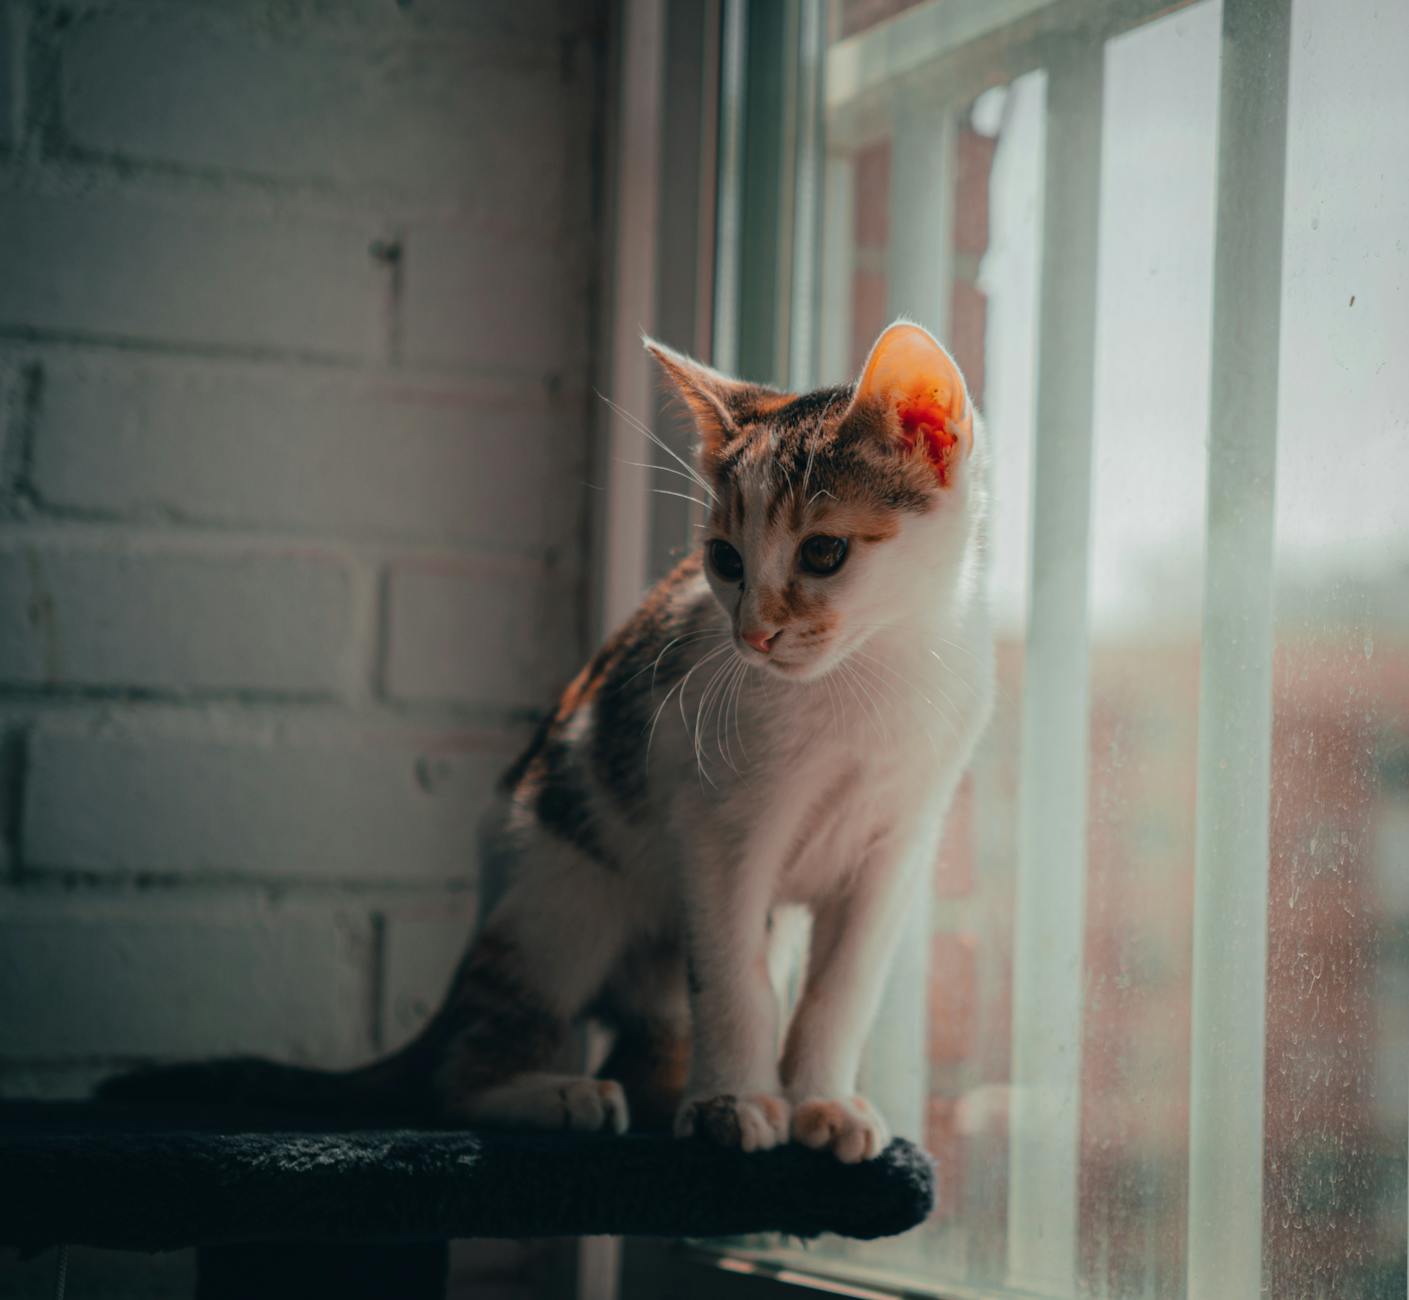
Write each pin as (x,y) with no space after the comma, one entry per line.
(782,723)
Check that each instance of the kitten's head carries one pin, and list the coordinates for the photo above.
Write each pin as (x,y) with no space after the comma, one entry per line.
(838,513)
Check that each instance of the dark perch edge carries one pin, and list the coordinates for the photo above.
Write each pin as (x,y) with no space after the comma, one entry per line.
(95,1175)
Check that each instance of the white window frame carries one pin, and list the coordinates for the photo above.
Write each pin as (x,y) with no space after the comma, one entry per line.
(780,312)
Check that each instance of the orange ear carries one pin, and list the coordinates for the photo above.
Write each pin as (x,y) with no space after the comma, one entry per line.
(919,386)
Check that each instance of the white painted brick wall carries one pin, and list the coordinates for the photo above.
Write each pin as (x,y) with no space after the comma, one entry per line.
(294,396)
(474,632)
(370,116)
(498,302)
(189,270)
(217,797)
(295,383)
(210,980)
(420,949)
(273,447)
(106,613)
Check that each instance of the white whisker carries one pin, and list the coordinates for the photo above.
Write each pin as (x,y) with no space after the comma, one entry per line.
(951,722)
(652,667)
(848,677)
(721,718)
(811,456)
(876,710)
(702,712)
(738,691)
(680,699)
(892,692)
(650,464)
(660,442)
(684,496)
(832,700)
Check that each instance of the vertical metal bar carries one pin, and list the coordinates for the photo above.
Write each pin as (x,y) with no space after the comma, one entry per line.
(1044,1122)
(782,66)
(807,197)
(685,248)
(730,206)
(1235,695)
(626,528)
(626,538)
(765,225)
(707,183)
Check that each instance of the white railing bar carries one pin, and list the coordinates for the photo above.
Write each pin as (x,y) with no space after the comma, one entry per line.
(895,1071)
(956,48)
(920,262)
(838,266)
(1044,1119)
(919,36)
(729,208)
(1235,692)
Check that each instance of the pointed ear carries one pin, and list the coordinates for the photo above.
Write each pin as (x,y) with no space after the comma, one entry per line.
(914,385)
(706,392)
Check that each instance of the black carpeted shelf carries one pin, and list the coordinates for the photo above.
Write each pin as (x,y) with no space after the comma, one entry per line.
(85,1174)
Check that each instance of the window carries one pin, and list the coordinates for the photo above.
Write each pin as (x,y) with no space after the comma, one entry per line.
(1163,977)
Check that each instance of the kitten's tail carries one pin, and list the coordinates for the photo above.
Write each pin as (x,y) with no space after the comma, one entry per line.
(393,1087)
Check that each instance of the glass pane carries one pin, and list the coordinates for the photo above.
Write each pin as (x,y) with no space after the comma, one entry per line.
(1150,468)
(1337,1095)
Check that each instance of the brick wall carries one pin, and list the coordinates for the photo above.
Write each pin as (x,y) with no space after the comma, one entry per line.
(294,396)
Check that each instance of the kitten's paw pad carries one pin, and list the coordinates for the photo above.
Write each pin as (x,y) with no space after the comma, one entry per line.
(593,1106)
(850,1126)
(754,1121)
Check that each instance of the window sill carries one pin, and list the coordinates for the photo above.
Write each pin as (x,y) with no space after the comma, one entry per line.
(788,1272)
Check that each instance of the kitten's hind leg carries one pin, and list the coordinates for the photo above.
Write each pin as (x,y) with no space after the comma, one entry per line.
(651,1061)
(646,1005)
(541,957)
(549,1101)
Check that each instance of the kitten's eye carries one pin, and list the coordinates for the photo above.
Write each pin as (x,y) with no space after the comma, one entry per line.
(823,555)
(725,560)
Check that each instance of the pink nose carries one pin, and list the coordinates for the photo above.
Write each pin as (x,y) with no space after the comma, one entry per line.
(760,640)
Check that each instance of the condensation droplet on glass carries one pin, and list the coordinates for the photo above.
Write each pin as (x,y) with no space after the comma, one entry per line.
(1369,646)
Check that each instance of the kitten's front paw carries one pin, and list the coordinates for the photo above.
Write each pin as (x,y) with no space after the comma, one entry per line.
(752,1121)
(850,1126)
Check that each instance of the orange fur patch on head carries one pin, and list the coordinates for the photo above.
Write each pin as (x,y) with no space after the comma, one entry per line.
(791,604)
(860,520)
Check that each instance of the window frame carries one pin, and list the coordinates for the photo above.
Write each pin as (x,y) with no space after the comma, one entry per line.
(774,267)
